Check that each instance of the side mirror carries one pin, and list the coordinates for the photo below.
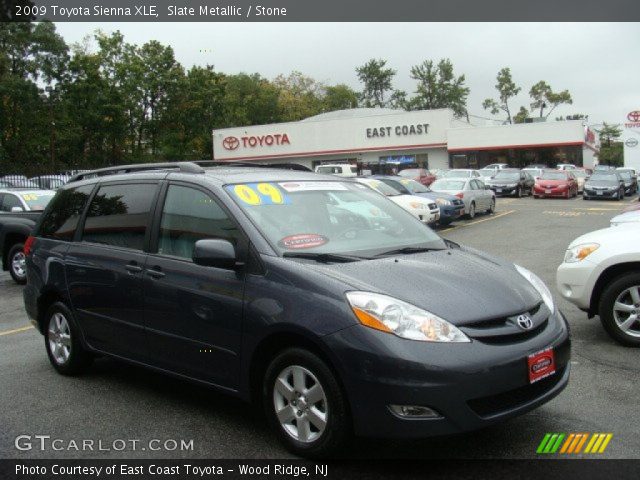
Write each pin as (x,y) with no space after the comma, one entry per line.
(17,209)
(215,253)
(487,187)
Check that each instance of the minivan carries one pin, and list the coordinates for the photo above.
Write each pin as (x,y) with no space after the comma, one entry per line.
(260,283)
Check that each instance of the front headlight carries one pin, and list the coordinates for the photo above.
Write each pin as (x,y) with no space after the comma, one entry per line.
(539,285)
(390,315)
(580,252)
(419,206)
(443,202)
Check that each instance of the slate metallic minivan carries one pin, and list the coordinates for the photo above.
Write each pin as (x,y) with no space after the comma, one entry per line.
(314,296)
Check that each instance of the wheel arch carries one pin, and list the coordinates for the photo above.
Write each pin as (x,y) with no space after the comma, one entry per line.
(605,278)
(276,342)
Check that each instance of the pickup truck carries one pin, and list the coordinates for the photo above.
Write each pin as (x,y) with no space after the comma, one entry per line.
(14,230)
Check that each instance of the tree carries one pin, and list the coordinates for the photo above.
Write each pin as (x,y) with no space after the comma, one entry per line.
(339,97)
(438,87)
(299,96)
(377,82)
(611,154)
(521,116)
(249,100)
(544,97)
(608,133)
(507,89)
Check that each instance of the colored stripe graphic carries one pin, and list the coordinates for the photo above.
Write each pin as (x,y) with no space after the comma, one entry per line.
(573,443)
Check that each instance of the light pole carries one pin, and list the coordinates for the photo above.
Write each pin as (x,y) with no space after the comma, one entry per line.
(52,136)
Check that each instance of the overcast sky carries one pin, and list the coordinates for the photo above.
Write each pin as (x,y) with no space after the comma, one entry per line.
(597,62)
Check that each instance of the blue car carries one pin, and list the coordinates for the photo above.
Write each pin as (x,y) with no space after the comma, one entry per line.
(451,207)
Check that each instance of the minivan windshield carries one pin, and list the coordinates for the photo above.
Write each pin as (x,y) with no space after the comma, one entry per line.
(324,217)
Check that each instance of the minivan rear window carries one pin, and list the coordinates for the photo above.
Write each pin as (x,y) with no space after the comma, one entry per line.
(60,219)
(119,215)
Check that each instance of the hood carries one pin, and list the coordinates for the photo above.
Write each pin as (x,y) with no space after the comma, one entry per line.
(462,286)
(627,232)
(542,181)
(628,217)
(406,200)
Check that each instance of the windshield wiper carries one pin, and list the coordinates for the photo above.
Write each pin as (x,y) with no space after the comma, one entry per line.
(323,257)
(408,250)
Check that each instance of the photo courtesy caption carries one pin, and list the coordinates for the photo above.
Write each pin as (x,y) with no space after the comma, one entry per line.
(199,471)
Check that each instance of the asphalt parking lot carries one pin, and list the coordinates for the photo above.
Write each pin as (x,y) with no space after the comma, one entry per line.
(117,401)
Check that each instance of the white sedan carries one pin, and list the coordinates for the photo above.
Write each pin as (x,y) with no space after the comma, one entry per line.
(600,275)
(424,210)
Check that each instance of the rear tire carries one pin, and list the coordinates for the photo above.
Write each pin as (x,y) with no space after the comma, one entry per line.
(519,192)
(62,341)
(17,265)
(304,404)
(619,306)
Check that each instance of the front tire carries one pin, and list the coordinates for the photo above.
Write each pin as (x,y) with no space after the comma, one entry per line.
(619,309)
(518,192)
(492,206)
(62,340)
(304,404)
(472,210)
(17,264)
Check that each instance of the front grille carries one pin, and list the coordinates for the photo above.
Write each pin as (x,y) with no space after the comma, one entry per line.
(503,402)
(505,329)
(457,202)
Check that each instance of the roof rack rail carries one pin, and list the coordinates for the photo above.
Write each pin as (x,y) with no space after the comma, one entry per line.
(185,167)
(283,166)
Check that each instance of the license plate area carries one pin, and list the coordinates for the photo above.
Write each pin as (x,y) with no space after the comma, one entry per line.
(541,364)
(498,190)
(547,191)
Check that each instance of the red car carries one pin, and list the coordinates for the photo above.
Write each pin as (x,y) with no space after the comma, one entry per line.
(425,177)
(556,183)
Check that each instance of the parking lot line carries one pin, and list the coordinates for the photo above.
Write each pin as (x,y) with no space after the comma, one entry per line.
(478,221)
(16,330)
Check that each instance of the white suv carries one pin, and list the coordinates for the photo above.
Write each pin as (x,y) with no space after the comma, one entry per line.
(601,275)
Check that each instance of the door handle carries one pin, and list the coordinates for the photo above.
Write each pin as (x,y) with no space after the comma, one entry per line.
(133,268)
(155,272)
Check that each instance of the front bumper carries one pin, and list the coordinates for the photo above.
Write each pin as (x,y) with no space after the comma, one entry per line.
(539,191)
(630,189)
(503,190)
(574,282)
(589,193)
(471,385)
(449,213)
(430,218)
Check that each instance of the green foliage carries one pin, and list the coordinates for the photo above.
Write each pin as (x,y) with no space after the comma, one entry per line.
(521,116)
(377,82)
(611,154)
(544,97)
(507,89)
(438,87)
(339,97)
(609,133)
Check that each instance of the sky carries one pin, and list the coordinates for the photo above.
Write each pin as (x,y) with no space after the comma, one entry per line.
(597,62)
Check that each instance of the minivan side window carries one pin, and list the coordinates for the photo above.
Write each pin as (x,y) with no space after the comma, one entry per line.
(63,213)
(119,215)
(190,215)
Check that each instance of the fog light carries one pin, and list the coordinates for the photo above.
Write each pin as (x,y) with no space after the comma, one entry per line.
(414,411)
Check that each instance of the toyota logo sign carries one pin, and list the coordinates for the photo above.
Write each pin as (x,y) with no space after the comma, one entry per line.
(524,322)
(631,142)
(634,116)
(231,143)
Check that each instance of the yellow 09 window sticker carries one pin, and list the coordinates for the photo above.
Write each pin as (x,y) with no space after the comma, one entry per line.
(255,194)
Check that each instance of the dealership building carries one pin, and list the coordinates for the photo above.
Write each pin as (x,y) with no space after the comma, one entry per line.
(379,140)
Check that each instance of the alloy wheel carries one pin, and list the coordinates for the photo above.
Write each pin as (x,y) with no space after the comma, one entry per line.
(300,404)
(18,264)
(59,336)
(626,311)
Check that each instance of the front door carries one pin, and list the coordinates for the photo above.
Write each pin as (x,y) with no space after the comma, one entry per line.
(193,313)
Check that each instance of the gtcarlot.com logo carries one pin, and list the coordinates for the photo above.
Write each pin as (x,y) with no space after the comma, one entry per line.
(574,443)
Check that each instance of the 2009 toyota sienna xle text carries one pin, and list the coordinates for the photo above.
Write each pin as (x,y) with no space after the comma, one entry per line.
(316,296)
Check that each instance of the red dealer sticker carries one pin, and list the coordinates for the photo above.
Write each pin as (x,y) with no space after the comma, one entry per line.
(541,364)
(303,240)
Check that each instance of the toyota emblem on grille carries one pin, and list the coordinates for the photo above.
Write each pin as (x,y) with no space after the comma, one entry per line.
(524,322)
